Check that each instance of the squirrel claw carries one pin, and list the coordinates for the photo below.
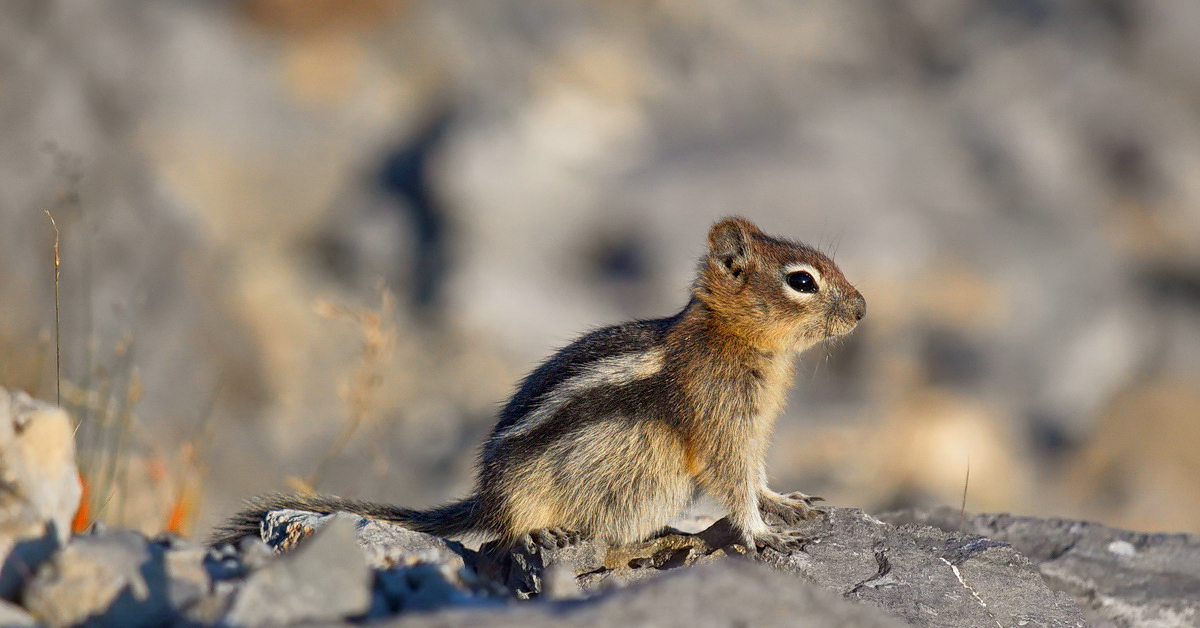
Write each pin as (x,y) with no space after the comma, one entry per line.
(782,542)
(808,499)
(792,509)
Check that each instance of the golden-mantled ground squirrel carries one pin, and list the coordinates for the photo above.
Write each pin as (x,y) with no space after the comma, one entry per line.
(610,437)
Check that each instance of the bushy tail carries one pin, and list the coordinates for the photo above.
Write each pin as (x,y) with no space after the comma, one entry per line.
(454,519)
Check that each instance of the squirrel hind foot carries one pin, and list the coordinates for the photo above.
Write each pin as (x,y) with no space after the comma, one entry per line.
(808,499)
(782,541)
(548,538)
(791,509)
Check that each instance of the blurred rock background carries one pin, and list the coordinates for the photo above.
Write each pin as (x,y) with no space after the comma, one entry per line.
(315,243)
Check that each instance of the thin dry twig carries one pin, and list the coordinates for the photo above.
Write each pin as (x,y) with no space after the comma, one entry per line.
(379,341)
(57,325)
(962,513)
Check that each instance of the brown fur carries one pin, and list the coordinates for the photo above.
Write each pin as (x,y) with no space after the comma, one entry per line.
(611,436)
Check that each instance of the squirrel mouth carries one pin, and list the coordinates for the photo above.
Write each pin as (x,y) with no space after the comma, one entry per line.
(838,326)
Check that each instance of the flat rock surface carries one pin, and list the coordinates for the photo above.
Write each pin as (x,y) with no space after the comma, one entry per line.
(1119,578)
(926,576)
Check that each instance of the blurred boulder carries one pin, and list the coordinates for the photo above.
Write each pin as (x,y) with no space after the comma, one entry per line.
(324,579)
(111,579)
(37,463)
(39,485)
(413,570)
(122,578)
(14,616)
(1134,469)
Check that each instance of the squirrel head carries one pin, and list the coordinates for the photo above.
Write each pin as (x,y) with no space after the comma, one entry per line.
(775,293)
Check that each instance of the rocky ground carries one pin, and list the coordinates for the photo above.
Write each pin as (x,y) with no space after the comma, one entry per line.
(907,568)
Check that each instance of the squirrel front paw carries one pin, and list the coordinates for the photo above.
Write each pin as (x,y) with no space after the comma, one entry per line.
(791,508)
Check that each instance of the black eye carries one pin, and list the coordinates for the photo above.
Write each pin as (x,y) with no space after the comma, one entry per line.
(801,281)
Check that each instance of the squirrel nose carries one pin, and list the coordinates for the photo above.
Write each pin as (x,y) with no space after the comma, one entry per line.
(858,307)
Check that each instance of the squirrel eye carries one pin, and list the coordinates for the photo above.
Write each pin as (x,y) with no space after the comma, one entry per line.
(801,281)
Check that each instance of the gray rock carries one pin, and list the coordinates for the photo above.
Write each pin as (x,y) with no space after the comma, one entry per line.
(324,579)
(188,579)
(426,587)
(415,571)
(559,582)
(25,546)
(387,545)
(12,615)
(119,579)
(39,486)
(213,607)
(384,545)
(254,554)
(225,562)
(994,573)
(1119,578)
(929,577)
(116,579)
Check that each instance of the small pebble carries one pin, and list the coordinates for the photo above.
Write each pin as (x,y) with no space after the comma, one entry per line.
(1122,548)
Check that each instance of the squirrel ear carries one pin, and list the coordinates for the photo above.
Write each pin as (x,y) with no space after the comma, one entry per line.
(729,243)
